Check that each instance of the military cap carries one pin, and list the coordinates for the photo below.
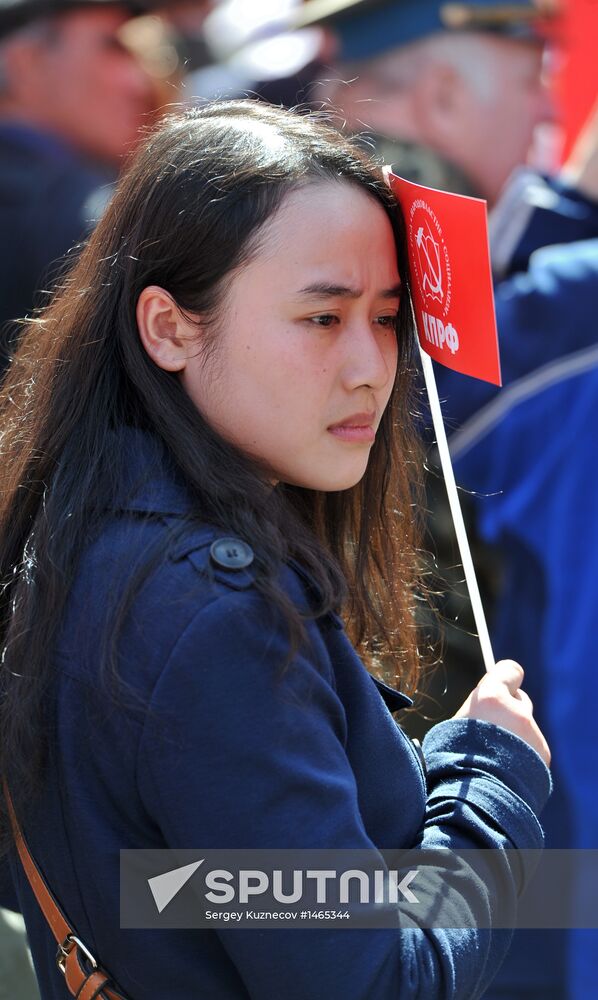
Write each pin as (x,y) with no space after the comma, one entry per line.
(15,14)
(367,28)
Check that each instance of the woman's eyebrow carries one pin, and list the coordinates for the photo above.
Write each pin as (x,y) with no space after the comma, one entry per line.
(321,289)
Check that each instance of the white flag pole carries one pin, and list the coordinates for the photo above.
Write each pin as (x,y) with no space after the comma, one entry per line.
(457,515)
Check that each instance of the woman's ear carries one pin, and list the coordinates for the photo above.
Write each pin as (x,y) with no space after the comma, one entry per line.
(164,331)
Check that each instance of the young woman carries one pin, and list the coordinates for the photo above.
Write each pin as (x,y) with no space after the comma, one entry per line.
(206,460)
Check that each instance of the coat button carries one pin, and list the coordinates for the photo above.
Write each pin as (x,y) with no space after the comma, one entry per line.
(231,553)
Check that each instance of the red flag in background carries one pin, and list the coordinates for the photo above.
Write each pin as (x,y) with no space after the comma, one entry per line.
(447,236)
(575,75)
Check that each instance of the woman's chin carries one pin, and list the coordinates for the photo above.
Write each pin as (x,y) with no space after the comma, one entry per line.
(328,480)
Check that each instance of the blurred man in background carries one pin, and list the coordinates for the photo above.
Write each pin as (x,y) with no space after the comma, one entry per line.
(72,99)
(529,455)
(463,82)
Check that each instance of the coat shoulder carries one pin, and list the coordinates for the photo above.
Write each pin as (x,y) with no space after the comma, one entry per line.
(172,569)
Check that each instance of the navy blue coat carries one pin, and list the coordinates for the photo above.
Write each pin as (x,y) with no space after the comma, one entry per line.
(542,315)
(229,759)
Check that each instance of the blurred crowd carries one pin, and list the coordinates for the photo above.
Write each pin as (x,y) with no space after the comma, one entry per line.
(486,99)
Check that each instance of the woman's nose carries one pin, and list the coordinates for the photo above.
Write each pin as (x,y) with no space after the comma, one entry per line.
(371,356)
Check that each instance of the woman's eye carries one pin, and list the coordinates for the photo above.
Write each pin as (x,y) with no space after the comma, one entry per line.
(388,321)
(329,319)
(326,319)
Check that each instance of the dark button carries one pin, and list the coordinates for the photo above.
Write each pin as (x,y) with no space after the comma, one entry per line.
(231,553)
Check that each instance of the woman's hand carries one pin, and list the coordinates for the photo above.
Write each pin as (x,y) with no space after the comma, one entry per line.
(498,698)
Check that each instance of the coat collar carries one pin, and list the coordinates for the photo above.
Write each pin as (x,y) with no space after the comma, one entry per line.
(151,483)
(149,480)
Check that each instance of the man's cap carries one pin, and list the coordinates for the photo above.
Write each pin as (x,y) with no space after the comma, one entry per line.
(367,28)
(15,14)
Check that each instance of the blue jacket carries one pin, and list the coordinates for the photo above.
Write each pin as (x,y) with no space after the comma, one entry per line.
(50,198)
(526,455)
(228,760)
(542,315)
(530,458)
(547,212)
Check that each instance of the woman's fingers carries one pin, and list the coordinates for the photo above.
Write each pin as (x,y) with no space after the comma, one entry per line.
(508,672)
(498,698)
(540,744)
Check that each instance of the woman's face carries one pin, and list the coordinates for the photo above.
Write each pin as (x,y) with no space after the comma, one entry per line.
(306,350)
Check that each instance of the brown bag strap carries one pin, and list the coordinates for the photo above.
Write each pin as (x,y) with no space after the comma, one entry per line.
(84,977)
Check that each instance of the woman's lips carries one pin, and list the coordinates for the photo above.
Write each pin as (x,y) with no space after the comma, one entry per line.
(358,427)
(353,433)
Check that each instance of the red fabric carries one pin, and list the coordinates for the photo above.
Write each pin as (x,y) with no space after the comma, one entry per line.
(452,284)
(576,77)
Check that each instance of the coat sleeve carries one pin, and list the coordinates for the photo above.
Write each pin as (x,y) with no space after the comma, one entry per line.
(542,315)
(535,211)
(256,765)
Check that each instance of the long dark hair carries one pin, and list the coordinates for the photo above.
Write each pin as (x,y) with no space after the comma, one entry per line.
(188,212)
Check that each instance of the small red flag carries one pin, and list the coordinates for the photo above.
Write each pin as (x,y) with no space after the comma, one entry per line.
(447,236)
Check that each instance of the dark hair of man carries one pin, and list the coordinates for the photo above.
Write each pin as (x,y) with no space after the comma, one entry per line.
(188,212)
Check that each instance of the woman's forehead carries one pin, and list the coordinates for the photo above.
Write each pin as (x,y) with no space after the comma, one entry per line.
(327,223)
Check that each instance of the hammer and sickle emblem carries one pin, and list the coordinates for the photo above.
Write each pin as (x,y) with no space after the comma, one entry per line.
(429,259)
